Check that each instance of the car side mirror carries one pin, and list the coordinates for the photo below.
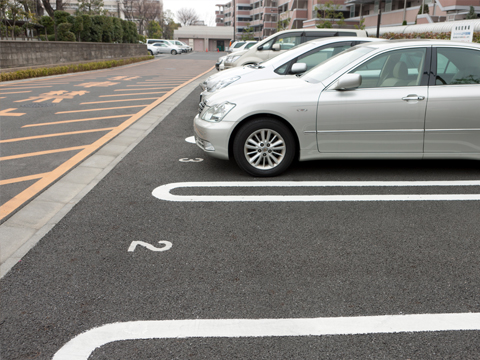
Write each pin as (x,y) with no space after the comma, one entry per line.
(298,68)
(276,47)
(347,82)
(260,47)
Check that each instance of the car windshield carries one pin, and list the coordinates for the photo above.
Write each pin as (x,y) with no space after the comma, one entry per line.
(329,67)
(285,56)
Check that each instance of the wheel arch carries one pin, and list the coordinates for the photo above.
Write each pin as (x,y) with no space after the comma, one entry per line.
(263,115)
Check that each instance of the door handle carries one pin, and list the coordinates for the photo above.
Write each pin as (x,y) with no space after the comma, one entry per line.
(413,97)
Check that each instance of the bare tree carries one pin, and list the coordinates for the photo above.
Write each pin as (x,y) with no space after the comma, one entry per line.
(142,11)
(187,16)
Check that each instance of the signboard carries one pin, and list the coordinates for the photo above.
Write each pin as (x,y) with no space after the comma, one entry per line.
(462,33)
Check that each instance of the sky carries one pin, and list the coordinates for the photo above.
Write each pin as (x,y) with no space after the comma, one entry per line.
(204,8)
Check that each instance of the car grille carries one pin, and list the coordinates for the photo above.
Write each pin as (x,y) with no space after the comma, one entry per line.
(201,106)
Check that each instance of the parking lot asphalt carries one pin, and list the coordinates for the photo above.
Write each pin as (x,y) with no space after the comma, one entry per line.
(121,256)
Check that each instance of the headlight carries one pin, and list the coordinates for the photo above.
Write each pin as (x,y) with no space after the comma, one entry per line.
(216,113)
(224,83)
(233,58)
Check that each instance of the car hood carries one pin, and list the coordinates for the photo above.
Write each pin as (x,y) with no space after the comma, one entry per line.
(238,53)
(229,73)
(271,90)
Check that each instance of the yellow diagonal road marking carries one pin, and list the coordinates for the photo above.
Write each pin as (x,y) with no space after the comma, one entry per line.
(7,112)
(23,178)
(77,120)
(38,153)
(45,181)
(110,101)
(148,93)
(114,108)
(15,92)
(159,83)
(53,135)
(155,88)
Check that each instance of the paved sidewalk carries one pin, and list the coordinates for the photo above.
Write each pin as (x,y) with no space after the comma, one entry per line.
(23,230)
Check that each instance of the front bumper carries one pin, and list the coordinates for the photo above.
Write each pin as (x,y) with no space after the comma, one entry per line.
(213,137)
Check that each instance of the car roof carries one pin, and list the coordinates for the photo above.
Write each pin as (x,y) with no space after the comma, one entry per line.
(420,42)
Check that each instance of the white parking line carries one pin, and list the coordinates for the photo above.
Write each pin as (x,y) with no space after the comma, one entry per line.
(163,192)
(80,347)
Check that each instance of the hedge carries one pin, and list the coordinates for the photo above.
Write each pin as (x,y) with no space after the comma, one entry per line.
(86,28)
(427,35)
(57,70)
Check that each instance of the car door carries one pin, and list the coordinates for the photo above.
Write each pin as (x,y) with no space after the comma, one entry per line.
(386,114)
(452,122)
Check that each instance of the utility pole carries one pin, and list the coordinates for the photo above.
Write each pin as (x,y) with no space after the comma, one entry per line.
(234,29)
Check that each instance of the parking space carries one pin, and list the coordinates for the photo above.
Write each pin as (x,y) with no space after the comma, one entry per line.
(49,125)
(325,279)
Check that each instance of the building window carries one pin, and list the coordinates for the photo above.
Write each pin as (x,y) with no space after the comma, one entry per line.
(388,5)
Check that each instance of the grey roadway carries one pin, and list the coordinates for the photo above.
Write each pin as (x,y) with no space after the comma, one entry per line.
(245,260)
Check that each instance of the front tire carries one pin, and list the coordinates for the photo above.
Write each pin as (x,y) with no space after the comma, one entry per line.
(264,147)
(174,52)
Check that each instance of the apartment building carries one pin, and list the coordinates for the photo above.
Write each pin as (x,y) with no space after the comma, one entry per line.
(266,17)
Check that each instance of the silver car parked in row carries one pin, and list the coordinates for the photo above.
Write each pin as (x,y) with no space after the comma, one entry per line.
(417,99)
(299,59)
(167,48)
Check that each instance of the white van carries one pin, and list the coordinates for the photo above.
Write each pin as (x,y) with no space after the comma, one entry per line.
(279,42)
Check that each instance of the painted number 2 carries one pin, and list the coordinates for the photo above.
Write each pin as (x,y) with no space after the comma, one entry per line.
(167,246)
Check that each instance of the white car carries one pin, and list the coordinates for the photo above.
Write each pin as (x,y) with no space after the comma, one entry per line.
(410,99)
(152,50)
(181,45)
(167,48)
(241,45)
(290,62)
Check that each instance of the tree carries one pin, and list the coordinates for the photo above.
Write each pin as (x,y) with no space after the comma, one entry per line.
(283,24)
(187,16)
(142,12)
(154,31)
(471,14)
(248,33)
(168,24)
(361,25)
(91,7)
(330,13)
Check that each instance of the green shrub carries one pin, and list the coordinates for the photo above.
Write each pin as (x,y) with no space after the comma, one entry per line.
(64,33)
(57,70)
(427,35)
(47,22)
(85,33)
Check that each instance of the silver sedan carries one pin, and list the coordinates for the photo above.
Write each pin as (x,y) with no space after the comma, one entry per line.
(299,59)
(167,48)
(417,99)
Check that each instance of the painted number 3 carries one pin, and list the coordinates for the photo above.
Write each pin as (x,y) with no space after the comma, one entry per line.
(191,160)
(167,246)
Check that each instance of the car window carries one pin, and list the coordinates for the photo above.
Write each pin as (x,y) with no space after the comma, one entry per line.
(286,41)
(313,58)
(335,64)
(238,44)
(249,45)
(393,69)
(457,66)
